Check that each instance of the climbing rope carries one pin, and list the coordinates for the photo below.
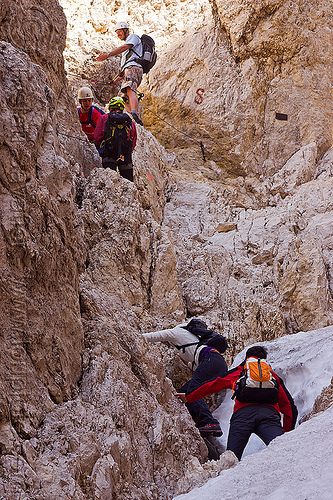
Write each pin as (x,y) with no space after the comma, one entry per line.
(180,131)
(70,136)
(140,97)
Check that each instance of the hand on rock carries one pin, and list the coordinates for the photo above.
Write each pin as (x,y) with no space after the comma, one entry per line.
(181,395)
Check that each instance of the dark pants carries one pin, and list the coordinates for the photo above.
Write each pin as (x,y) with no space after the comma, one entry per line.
(125,167)
(211,366)
(262,420)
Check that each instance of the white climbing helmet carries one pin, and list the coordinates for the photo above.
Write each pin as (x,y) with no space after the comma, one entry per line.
(85,93)
(121,25)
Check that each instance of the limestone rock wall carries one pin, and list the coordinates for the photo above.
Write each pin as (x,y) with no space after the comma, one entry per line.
(250,239)
(322,403)
(40,247)
(224,70)
(257,273)
(253,60)
(80,396)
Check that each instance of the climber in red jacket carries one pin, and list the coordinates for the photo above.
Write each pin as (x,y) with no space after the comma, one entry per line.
(261,418)
(88,113)
(115,137)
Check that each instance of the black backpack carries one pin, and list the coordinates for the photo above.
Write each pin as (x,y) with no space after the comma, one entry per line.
(149,56)
(206,337)
(118,138)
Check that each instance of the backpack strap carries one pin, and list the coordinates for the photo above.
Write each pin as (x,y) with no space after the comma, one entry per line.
(235,384)
(91,110)
(259,368)
(129,55)
(195,352)
(89,116)
(183,347)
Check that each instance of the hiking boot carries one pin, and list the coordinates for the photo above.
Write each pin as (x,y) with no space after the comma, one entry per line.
(136,117)
(214,447)
(211,429)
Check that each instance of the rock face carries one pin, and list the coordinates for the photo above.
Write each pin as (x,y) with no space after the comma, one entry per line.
(40,257)
(54,348)
(252,80)
(322,403)
(89,261)
(265,274)
(250,61)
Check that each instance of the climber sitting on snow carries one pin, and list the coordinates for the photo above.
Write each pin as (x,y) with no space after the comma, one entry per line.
(115,137)
(201,349)
(131,72)
(260,396)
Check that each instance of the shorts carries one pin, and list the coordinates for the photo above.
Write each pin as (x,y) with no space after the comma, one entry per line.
(132,79)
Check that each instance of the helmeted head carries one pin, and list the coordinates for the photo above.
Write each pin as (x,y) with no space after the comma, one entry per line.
(85,93)
(258,351)
(121,25)
(116,104)
(85,96)
(122,30)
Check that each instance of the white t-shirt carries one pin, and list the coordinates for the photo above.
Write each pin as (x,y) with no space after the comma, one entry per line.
(128,57)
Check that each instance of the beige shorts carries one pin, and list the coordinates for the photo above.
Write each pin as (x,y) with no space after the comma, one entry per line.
(132,79)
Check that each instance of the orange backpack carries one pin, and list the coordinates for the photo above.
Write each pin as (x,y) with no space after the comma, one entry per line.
(256,383)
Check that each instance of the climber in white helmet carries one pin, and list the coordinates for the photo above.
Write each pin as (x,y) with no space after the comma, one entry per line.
(88,113)
(130,71)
